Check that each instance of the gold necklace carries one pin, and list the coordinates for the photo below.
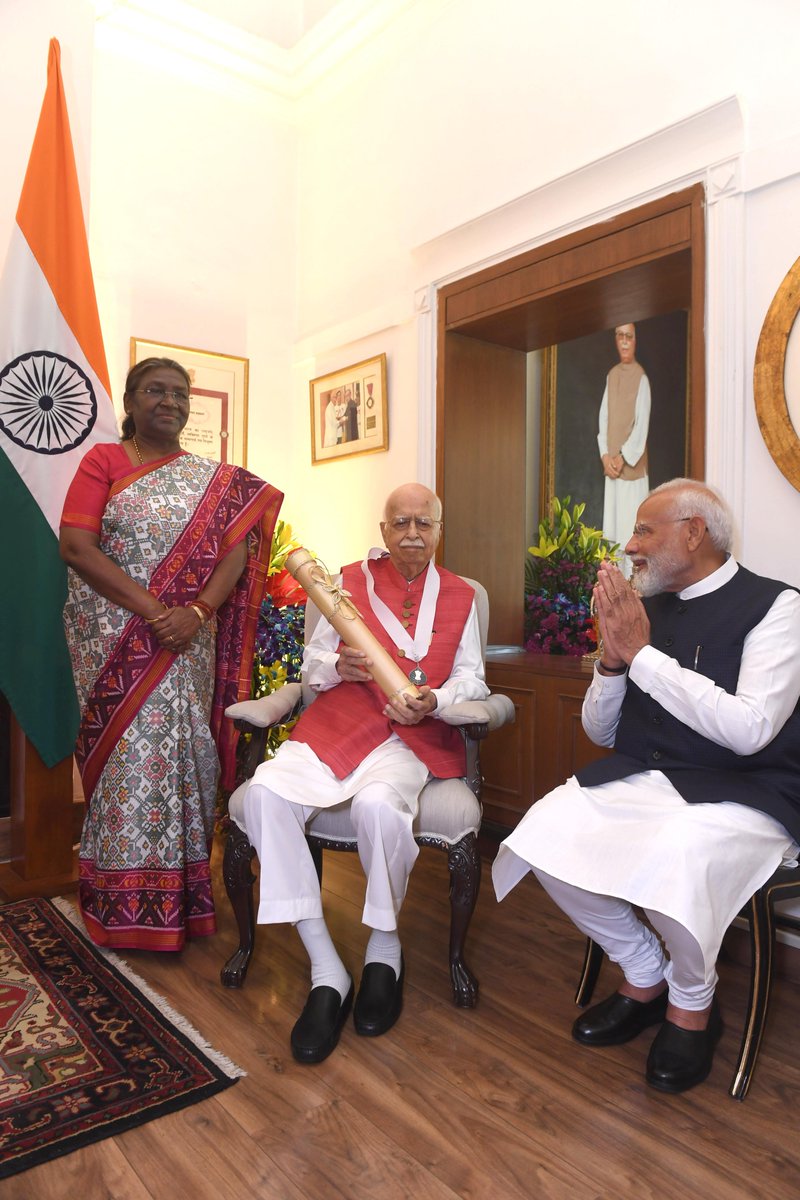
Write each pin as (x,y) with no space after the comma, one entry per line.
(138,451)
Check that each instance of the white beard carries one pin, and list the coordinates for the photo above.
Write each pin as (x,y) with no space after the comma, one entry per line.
(656,576)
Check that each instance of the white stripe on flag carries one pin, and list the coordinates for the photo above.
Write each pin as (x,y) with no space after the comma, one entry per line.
(30,320)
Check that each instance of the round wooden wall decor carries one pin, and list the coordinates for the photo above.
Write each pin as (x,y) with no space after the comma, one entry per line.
(772,410)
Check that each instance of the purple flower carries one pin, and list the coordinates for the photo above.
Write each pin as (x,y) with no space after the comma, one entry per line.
(557,623)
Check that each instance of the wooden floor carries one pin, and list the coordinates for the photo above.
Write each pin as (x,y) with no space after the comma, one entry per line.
(496,1102)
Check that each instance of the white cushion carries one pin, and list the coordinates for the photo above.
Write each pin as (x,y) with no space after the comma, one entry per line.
(494,711)
(267,710)
(448,811)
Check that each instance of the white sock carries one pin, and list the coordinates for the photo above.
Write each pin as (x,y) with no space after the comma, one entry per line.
(327,969)
(384,947)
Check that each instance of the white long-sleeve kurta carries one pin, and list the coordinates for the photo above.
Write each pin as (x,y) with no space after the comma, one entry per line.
(634,837)
(622,497)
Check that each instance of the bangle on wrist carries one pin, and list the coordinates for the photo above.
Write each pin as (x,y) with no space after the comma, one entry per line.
(203,608)
(612,670)
(200,614)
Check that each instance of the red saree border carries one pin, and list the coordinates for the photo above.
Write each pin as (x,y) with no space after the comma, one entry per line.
(232,686)
(148,939)
(123,686)
(139,472)
(91,766)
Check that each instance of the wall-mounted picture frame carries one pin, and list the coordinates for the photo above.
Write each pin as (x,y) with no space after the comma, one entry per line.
(217,425)
(349,411)
(574,376)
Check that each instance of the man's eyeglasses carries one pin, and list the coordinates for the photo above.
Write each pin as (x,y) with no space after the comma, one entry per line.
(401,524)
(643,531)
(159,393)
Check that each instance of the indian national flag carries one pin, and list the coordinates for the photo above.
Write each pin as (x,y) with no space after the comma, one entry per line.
(54,404)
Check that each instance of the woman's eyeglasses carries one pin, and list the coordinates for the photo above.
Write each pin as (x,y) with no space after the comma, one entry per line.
(159,393)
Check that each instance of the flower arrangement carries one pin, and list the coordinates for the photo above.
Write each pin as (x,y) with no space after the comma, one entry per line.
(560,572)
(279,633)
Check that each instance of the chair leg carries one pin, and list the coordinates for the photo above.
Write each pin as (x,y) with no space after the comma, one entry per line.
(592,962)
(239,879)
(464,863)
(316,856)
(762,945)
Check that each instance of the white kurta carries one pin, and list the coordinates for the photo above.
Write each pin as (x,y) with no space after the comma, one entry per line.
(622,497)
(636,838)
(331,425)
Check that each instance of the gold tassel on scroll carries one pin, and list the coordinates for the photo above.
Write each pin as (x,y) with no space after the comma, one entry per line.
(337,608)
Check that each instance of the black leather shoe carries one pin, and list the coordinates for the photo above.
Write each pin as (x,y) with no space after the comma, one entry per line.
(317,1029)
(680,1058)
(379,1000)
(618,1019)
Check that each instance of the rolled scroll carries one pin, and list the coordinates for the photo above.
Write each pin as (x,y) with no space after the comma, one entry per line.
(337,608)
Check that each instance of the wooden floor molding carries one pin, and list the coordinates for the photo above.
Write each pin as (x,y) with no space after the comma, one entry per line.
(498,1103)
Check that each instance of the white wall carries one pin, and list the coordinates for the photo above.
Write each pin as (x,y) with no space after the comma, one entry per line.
(419,161)
(193,231)
(772,514)
(23,80)
(305,234)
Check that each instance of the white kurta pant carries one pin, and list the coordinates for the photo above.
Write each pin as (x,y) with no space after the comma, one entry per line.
(621,500)
(285,795)
(636,841)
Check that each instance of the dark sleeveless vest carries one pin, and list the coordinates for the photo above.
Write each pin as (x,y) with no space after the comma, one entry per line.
(346,723)
(710,630)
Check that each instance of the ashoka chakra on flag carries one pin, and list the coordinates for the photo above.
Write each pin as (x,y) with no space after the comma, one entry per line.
(47,403)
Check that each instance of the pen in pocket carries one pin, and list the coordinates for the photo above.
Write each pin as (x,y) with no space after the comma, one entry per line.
(696,656)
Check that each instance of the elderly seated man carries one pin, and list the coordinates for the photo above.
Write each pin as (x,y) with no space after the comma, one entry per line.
(697,691)
(354,744)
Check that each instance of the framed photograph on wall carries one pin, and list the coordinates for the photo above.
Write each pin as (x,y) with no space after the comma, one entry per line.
(349,411)
(217,425)
(573,385)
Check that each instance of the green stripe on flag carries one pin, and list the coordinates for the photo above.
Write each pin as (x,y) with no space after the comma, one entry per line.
(35,670)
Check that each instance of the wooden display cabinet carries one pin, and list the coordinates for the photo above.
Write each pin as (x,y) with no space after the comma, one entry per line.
(545,745)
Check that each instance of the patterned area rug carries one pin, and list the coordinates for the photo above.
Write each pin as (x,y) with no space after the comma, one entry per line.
(87,1050)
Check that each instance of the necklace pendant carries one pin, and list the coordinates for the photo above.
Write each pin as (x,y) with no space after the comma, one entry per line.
(418,676)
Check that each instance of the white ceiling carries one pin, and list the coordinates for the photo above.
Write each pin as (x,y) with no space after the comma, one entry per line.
(283,22)
(281,46)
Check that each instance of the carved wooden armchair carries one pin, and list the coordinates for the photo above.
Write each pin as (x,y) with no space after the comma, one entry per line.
(449,815)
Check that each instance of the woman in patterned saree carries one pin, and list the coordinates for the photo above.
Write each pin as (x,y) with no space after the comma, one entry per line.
(168,555)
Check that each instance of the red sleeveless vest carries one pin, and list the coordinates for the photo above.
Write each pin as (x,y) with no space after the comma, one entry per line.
(346,723)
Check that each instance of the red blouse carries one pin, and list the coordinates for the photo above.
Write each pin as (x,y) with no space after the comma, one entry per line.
(105,465)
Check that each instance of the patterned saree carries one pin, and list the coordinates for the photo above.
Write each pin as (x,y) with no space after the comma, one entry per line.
(153,741)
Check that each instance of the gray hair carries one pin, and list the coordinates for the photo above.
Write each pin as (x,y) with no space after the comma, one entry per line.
(691,498)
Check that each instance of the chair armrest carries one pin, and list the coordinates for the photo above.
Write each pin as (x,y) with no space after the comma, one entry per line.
(268,710)
(494,711)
